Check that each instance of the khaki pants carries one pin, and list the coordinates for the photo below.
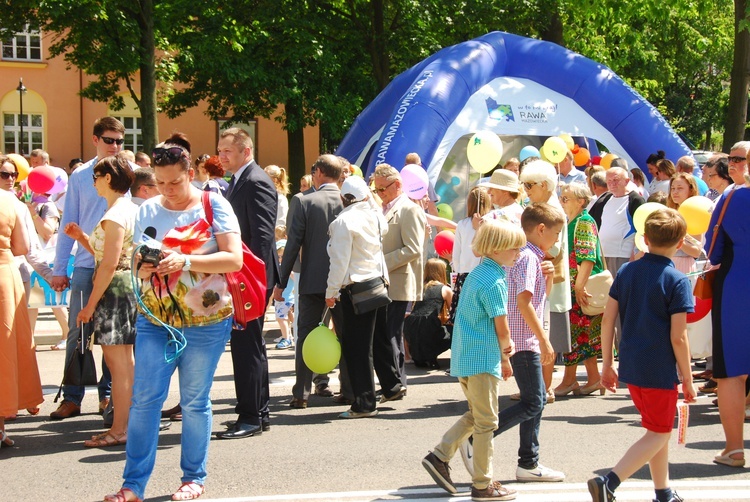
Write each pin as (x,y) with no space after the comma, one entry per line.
(480,421)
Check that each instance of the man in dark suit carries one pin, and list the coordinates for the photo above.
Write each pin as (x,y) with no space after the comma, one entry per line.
(253,198)
(307,231)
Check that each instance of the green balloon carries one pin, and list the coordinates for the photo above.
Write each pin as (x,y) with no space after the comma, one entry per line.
(321,350)
(445,211)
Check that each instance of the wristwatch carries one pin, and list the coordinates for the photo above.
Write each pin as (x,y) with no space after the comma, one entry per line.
(186,266)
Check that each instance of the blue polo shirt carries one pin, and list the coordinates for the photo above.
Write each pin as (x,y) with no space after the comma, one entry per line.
(484,296)
(649,291)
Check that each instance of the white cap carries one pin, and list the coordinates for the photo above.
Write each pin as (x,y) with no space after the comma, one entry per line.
(356,188)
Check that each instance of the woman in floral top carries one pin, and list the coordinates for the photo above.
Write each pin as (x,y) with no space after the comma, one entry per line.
(585,259)
(111,305)
(184,319)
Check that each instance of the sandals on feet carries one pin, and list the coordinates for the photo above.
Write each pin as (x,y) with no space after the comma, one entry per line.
(106,440)
(727,459)
(5,440)
(188,491)
(124,495)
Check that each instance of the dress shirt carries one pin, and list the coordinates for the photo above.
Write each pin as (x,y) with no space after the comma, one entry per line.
(526,275)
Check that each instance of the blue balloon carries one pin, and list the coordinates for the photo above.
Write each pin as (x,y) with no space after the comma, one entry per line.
(528,151)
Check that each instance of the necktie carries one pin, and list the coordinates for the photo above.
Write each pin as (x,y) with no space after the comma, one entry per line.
(231,186)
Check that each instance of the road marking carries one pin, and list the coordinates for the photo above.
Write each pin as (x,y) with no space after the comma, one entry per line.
(725,490)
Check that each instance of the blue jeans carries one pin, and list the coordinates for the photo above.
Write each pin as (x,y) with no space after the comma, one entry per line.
(81,285)
(197,365)
(527,413)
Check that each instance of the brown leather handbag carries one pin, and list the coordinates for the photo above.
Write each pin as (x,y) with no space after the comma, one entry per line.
(704,284)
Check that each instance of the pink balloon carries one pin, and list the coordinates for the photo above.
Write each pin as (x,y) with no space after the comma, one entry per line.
(61,181)
(414,181)
(41,179)
(444,242)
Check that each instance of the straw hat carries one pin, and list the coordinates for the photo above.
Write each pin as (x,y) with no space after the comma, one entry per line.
(502,179)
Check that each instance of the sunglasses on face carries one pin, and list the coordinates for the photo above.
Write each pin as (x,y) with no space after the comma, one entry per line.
(112,141)
(167,156)
(527,185)
(565,199)
(381,190)
(6,176)
(736,159)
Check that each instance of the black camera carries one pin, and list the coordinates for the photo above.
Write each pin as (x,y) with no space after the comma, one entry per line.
(151,255)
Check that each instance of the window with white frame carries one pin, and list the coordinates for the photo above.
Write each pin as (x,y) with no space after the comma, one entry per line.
(133,133)
(33,132)
(25,45)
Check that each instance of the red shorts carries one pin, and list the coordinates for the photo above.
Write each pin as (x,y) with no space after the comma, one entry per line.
(658,407)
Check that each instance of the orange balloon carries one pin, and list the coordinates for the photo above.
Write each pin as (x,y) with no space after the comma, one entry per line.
(606,162)
(582,157)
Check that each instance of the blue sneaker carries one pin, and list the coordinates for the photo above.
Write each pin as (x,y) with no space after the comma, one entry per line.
(284,344)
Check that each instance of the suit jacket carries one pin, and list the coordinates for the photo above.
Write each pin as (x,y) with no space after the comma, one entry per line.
(403,246)
(254,201)
(307,231)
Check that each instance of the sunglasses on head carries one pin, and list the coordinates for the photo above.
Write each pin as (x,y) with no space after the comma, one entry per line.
(112,141)
(6,176)
(167,156)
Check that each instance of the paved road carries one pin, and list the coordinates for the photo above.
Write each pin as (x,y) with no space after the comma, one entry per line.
(312,455)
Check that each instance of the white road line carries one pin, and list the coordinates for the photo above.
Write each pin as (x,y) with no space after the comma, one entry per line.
(725,490)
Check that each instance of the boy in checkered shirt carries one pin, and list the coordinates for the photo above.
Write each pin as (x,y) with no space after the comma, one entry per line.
(527,296)
(480,350)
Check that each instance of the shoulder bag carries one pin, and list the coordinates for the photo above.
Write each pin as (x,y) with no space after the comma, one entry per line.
(704,284)
(248,285)
(372,293)
(597,285)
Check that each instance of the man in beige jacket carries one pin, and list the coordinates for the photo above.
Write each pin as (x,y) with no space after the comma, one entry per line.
(402,247)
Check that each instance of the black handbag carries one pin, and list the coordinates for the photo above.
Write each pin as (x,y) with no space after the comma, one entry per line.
(368,295)
(81,369)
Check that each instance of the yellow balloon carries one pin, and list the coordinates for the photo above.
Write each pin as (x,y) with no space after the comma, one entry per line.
(640,243)
(643,211)
(697,213)
(568,139)
(554,149)
(606,161)
(21,164)
(356,171)
(484,151)
(321,350)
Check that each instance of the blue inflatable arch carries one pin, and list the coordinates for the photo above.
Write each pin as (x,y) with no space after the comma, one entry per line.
(522,89)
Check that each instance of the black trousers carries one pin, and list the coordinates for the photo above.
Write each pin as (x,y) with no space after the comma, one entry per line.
(388,347)
(357,350)
(250,364)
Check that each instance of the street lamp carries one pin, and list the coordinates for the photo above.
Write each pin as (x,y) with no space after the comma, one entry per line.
(21,89)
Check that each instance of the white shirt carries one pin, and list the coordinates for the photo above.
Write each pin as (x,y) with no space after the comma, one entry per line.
(464,260)
(282,210)
(658,186)
(354,246)
(511,213)
(615,227)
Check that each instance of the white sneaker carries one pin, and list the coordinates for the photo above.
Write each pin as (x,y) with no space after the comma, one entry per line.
(539,473)
(467,455)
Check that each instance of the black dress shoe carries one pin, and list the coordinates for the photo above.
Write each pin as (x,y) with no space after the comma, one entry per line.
(231,424)
(265,425)
(240,431)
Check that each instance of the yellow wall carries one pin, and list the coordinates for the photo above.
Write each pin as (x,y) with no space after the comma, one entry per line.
(69,119)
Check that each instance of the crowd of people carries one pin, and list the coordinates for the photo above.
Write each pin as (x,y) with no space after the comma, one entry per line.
(148,286)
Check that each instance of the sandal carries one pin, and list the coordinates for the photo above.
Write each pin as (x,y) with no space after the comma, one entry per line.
(122,496)
(727,459)
(106,440)
(33,411)
(5,440)
(188,491)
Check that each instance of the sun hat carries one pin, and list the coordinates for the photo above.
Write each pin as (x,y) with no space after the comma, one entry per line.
(502,179)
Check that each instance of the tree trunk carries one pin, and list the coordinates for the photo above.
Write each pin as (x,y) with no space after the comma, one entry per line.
(148,107)
(379,48)
(552,29)
(295,144)
(737,113)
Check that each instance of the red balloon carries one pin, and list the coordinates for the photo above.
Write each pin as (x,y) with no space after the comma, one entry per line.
(444,242)
(596,160)
(702,308)
(41,179)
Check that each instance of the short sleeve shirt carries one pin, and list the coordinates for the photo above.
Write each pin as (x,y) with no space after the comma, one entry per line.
(122,213)
(649,291)
(203,299)
(484,296)
(526,275)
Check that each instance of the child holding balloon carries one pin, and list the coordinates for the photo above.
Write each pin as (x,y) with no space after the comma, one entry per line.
(480,357)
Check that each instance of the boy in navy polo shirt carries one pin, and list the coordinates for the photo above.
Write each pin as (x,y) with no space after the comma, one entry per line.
(653,299)
(480,352)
